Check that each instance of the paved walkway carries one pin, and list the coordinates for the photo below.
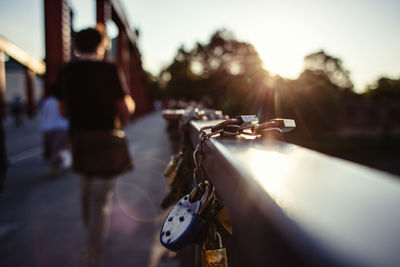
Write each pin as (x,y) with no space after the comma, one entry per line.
(40,223)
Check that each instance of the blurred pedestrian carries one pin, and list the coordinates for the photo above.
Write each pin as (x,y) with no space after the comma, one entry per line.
(17,108)
(55,135)
(3,156)
(94,96)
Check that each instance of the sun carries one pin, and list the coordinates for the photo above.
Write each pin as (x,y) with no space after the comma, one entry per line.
(283,63)
(282,47)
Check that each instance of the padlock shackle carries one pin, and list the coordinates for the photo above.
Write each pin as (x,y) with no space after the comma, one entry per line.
(207,197)
(195,191)
(222,125)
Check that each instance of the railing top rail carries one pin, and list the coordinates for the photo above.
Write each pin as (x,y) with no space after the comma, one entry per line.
(121,18)
(335,211)
(23,57)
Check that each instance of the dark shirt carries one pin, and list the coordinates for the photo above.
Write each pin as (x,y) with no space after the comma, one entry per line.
(90,91)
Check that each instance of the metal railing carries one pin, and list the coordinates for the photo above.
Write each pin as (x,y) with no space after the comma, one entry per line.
(31,62)
(34,66)
(292,206)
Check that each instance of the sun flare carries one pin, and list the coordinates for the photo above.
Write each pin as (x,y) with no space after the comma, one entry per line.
(284,64)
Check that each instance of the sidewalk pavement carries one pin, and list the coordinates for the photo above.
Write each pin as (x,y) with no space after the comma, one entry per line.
(40,220)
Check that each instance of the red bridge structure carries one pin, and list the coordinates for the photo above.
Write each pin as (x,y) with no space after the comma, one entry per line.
(59,50)
(58,33)
(33,66)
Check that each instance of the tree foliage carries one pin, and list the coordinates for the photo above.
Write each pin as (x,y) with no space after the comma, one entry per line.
(385,90)
(230,73)
(225,70)
(323,64)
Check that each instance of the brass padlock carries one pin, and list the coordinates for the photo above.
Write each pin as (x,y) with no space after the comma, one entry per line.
(172,164)
(213,253)
(223,217)
(214,258)
(174,173)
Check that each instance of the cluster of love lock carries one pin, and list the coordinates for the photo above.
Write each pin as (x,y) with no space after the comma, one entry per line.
(199,215)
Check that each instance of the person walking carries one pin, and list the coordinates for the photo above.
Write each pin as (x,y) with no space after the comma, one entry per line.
(94,96)
(3,156)
(55,134)
(17,108)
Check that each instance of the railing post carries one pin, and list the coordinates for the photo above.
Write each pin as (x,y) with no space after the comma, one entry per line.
(58,38)
(2,85)
(30,92)
(128,59)
(103,11)
(137,82)
(123,54)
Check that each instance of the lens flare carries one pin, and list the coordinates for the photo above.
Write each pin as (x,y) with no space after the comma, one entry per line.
(139,192)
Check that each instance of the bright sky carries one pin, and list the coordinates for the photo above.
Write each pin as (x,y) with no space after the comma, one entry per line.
(363,33)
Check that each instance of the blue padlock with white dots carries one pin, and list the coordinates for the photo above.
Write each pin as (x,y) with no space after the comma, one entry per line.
(185,220)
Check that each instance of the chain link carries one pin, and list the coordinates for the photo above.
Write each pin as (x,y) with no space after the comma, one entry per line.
(241,125)
(231,128)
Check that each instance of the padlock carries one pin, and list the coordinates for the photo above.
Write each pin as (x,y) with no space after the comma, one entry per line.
(233,127)
(172,163)
(223,217)
(215,255)
(185,220)
(280,125)
(214,258)
(170,166)
(247,119)
(174,174)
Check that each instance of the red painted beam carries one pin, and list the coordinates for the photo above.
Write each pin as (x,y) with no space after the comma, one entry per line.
(127,56)
(138,83)
(119,17)
(103,11)
(30,92)
(58,38)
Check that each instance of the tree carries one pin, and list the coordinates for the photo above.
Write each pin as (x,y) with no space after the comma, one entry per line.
(226,70)
(324,64)
(178,80)
(385,90)
(230,73)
